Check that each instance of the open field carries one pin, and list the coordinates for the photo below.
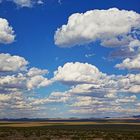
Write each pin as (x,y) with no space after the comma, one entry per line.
(44,130)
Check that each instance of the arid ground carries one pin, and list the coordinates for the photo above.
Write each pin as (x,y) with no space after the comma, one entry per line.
(44,130)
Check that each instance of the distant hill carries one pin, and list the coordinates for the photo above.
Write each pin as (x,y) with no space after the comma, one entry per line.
(136,116)
(72,119)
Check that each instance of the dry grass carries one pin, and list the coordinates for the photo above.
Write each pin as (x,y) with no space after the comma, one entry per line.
(46,123)
(45,130)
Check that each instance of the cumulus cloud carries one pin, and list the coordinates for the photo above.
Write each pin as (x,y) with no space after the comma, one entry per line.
(10,63)
(35,71)
(130,63)
(87,95)
(54,97)
(4,97)
(17,81)
(91,91)
(118,29)
(17,105)
(84,28)
(86,78)
(121,105)
(86,101)
(6,32)
(77,73)
(37,81)
(127,50)
(15,74)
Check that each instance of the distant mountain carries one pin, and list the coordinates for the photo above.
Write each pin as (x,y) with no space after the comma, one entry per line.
(24,119)
(73,119)
(136,116)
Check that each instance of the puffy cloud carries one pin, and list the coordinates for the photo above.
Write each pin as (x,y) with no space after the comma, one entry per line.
(54,97)
(134,89)
(113,111)
(86,101)
(17,105)
(21,82)
(91,91)
(37,81)
(87,95)
(114,28)
(128,49)
(111,94)
(123,105)
(35,71)
(6,32)
(98,25)
(16,79)
(4,97)
(134,45)
(96,90)
(10,63)
(77,73)
(130,63)
(35,78)
(17,82)
(87,79)
(15,75)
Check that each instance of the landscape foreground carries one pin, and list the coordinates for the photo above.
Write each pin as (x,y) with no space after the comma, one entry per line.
(70,130)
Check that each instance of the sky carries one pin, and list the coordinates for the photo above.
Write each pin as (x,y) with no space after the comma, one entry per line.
(67,58)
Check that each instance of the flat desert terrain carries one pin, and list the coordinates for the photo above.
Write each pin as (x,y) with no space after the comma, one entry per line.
(94,130)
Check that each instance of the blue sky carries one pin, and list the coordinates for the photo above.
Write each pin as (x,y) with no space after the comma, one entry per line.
(35,25)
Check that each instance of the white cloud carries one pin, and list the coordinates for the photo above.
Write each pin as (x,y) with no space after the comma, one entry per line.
(89,55)
(4,97)
(13,82)
(35,71)
(97,25)
(123,105)
(10,63)
(113,27)
(130,63)
(54,97)
(86,79)
(14,74)
(6,32)
(17,105)
(91,91)
(40,2)
(134,89)
(127,99)
(77,73)
(23,3)
(86,101)
(37,82)
(27,3)
(128,47)
(21,81)
(16,79)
